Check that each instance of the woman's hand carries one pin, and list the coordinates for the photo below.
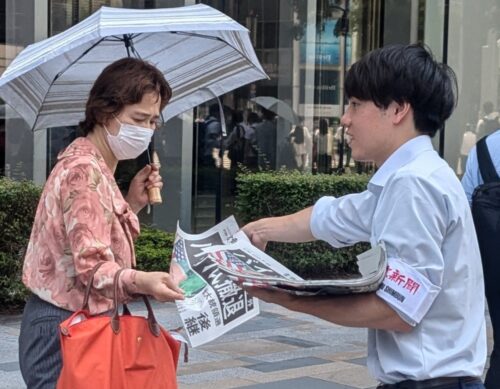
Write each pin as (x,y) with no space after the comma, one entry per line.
(148,177)
(159,285)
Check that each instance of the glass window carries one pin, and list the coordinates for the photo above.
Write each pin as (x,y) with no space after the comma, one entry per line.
(16,139)
(473,50)
(292,119)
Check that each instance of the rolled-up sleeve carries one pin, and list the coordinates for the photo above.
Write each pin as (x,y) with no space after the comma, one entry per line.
(343,221)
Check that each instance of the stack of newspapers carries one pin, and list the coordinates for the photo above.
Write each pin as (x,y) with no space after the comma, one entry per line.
(266,272)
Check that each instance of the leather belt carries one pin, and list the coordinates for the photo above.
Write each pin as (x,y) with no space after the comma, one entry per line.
(436,383)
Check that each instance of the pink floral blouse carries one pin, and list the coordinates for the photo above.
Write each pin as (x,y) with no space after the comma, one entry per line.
(81,220)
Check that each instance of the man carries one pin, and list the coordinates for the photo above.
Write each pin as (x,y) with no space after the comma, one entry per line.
(489,122)
(212,134)
(427,325)
(481,182)
(209,144)
(265,134)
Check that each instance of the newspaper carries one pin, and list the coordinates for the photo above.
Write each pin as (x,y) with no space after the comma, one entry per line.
(213,304)
(210,267)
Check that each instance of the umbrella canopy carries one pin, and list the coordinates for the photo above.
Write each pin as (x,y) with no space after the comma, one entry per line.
(279,107)
(202,52)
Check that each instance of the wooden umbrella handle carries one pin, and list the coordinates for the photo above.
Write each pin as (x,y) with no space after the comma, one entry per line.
(154,194)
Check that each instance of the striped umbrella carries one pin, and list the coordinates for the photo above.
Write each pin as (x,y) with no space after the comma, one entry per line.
(202,53)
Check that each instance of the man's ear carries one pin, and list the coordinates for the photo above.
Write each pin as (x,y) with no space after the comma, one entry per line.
(400,111)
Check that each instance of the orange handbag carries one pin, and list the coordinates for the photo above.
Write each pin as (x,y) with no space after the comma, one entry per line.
(116,352)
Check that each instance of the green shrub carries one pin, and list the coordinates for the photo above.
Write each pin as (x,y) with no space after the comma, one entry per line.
(18,202)
(280,193)
(153,249)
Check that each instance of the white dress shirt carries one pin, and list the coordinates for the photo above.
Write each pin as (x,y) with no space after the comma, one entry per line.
(417,208)
(472,177)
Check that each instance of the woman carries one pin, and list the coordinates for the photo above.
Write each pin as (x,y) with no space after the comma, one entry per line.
(82,218)
(302,146)
(324,147)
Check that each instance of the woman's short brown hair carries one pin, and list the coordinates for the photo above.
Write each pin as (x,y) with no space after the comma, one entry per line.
(124,82)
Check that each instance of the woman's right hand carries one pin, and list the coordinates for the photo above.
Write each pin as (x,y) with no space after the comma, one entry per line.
(159,285)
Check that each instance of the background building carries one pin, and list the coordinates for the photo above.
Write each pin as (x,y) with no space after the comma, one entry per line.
(305,46)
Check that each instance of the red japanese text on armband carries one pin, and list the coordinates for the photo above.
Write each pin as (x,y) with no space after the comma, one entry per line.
(394,275)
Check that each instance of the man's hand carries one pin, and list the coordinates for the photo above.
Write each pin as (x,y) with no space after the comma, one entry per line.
(256,233)
(292,228)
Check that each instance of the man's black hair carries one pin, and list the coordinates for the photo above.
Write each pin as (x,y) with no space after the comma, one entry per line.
(488,107)
(267,114)
(406,74)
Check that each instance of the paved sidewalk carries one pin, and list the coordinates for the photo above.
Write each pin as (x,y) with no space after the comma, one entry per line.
(278,349)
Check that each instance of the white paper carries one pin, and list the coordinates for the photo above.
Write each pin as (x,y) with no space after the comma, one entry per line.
(213,304)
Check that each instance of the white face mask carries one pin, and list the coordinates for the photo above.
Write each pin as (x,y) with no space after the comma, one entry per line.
(130,142)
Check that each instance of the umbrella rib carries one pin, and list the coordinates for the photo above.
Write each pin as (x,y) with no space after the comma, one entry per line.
(215,38)
(223,41)
(77,59)
(61,73)
(128,39)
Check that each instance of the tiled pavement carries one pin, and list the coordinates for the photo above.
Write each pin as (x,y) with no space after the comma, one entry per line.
(278,349)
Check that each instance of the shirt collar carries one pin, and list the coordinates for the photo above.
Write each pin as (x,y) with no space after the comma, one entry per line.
(406,153)
(81,146)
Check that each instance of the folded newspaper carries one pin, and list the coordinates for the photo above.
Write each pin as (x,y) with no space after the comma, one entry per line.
(210,266)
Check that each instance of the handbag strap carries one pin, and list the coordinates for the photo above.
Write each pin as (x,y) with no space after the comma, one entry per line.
(85,305)
(115,317)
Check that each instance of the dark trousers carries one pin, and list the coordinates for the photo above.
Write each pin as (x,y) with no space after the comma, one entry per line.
(438,383)
(324,163)
(492,288)
(39,347)
(485,223)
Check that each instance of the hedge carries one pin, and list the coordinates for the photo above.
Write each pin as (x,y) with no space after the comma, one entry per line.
(279,193)
(153,249)
(18,202)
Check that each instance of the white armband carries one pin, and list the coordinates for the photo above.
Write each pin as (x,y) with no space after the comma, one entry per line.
(406,290)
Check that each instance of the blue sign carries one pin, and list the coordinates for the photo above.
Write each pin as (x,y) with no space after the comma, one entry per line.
(327,50)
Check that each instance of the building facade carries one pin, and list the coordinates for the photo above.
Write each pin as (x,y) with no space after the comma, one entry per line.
(305,46)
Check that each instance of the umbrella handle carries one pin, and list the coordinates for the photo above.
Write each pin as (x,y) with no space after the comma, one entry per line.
(154,194)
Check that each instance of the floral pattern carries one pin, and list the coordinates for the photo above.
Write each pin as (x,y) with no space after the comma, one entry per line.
(82,219)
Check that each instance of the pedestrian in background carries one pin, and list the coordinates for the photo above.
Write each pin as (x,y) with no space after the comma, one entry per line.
(481,183)
(301,141)
(323,145)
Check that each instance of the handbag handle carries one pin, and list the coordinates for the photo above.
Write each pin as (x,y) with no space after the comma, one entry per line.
(85,305)
(154,327)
